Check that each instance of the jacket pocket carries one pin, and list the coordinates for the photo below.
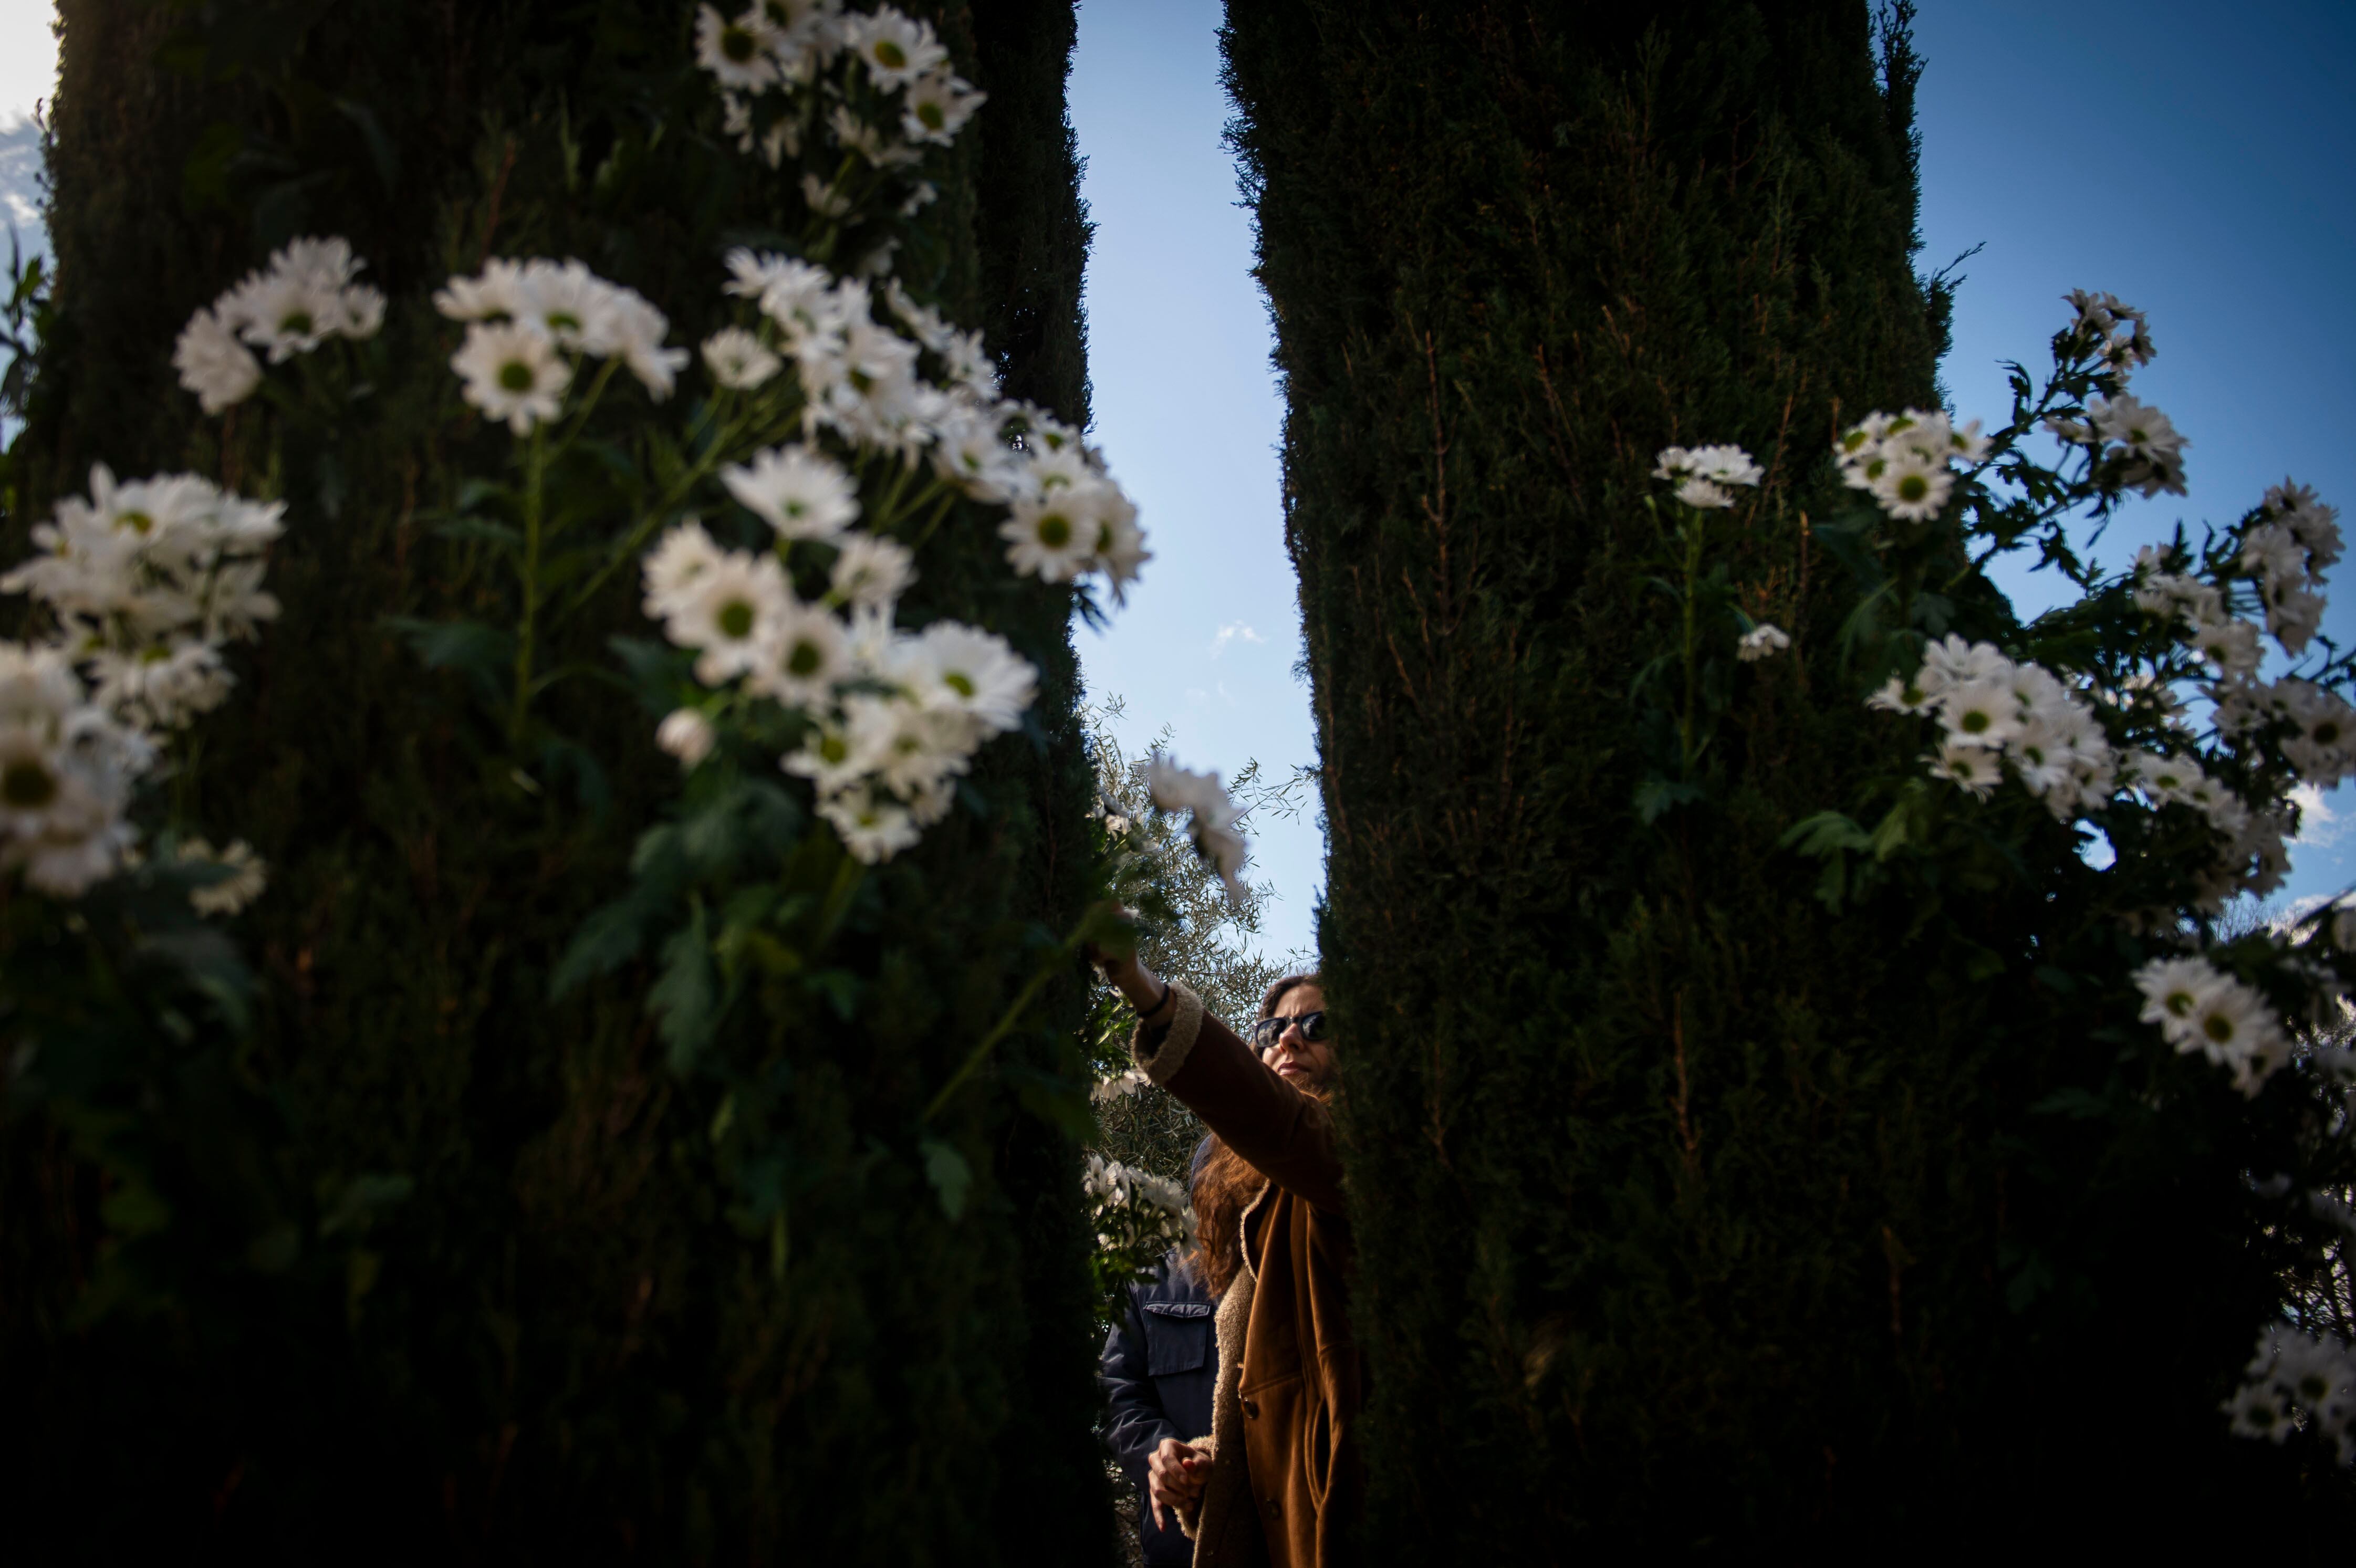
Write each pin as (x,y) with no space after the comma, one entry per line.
(1175,1342)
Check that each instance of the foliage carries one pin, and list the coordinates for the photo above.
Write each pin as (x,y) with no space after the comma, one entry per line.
(531,1290)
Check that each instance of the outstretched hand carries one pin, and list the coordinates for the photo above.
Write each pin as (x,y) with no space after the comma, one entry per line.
(1116,958)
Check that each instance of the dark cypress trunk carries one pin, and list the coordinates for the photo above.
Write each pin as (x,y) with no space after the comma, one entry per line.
(558,1344)
(1635,1145)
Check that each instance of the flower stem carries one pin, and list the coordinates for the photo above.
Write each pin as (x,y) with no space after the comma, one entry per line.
(1005,1026)
(535,468)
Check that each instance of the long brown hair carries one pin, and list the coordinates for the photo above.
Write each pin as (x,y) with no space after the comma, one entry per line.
(1226,1184)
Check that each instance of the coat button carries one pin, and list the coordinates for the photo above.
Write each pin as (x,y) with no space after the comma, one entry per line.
(1251,1412)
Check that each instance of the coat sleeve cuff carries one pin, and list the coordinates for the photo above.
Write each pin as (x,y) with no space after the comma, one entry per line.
(1190,1525)
(1162,1051)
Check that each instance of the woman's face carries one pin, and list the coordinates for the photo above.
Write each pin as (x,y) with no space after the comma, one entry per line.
(1304,1063)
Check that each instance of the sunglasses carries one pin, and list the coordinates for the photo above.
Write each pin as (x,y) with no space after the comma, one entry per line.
(1267,1031)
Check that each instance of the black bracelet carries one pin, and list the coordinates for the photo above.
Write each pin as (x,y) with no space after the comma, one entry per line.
(1149,1012)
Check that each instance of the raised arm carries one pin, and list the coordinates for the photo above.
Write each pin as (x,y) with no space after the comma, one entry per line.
(1284,1134)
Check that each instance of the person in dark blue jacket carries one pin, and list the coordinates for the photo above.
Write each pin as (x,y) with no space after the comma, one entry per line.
(1158,1370)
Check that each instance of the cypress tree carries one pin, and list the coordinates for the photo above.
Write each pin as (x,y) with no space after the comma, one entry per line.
(1691,1215)
(443,1257)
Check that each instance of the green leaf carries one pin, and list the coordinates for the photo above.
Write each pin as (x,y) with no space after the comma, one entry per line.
(686,999)
(1655,796)
(1826,833)
(951,1177)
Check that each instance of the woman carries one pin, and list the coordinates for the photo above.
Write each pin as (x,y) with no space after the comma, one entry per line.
(1276,1481)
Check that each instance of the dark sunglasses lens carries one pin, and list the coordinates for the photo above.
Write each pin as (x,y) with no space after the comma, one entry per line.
(1264,1033)
(1313,1025)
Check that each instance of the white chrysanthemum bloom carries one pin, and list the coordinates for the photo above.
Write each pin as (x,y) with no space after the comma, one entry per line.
(735,51)
(1121,551)
(2314,524)
(1896,694)
(638,329)
(2258,1411)
(159,686)
(1126,1085)
(841,749)
(2324,749)
(567,304)
(1763,641)
(1704,494)
(936,107)
(809,656)
(798,297)
(1051,537)
(2152,448)
(1212,823)
(1724,466)
(248,876)
(730,613)
(872,572)
(283,313)
(1980,712)
(800,491)
(895,48)
(1975,770)
(1914,485)
(1951,662)
(969,453)
(220,370)
(823,198)
(914,750)
(2232,645)
(496,294)
(674,566)
(739,360)
(960,668)
(874,827)
(66,774)
(869,142)
(512,373)
(686,733)
(2293,615)
(2175,991)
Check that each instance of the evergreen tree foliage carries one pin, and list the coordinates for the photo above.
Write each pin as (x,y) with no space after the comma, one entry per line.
(1692,1216)
(431,1265)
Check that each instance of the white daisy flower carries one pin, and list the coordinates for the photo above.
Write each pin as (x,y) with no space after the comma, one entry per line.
(823,198)
(872,572)
(872,828)
(739,360)
(732,614)
(1975,770)
(674,566)
(965,668)
(1050,536)
(494,295)
(1914,486)
(512,373)
(220,370)
(1704,494)
(801,493)
(1980,712)
(686,733)
(1896,695)
(1763,641)
(936,107)
(894,47)
(841,749)
(736,52)
(248,876)
(809,655)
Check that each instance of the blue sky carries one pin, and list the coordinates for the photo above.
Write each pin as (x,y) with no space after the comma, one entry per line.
(2199,160)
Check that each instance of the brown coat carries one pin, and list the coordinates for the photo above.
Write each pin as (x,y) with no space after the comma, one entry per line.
(1290,1383)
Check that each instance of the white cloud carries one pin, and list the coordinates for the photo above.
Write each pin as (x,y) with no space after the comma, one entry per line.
(2318,825)
(1232,632)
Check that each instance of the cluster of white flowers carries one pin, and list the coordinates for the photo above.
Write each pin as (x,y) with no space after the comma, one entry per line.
(1212,821)
(67,769)
(1905,460)
(2144,443)
(861,378)
(895,715)
(2298,1379)
(146,581)
(1122,1086)
(1154,1208)
(1702,474)
(306,295)
(1995,711)
(1764,640)
(2285,553)
(530,324)
(788,46)
(2115,332)
(244,883)
(2200,1009)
